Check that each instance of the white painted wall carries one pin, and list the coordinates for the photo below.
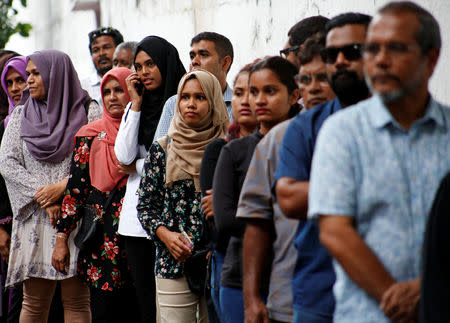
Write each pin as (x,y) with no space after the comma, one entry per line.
(255,27)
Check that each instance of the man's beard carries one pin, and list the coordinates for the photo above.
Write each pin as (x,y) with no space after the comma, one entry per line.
(104,70)
(398,94)
(348,87)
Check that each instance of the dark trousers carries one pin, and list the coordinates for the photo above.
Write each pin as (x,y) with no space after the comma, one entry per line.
(141,259)
(114,307)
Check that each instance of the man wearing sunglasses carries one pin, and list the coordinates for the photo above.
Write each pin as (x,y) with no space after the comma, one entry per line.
(383,160)
(314,275)
(298,34)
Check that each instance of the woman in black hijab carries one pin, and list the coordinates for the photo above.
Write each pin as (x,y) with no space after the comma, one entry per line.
(158,72)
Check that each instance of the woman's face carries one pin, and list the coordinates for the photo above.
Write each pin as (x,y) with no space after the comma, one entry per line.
(15,84)
(35,83)
(147,71)
(114,97)
(269,98)
(239,102)
(193,103)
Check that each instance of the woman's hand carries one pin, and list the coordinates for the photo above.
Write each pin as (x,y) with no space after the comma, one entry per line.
(5,241)
(53,212)
(174,244)
(50,194)
(207,205)
(136,99)
(127,169)
(61,254)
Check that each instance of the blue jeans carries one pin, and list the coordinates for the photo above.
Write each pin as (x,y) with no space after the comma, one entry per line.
(301,316)
(232,305)
(216,269)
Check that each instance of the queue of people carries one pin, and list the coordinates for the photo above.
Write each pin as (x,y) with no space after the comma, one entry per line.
(313,189)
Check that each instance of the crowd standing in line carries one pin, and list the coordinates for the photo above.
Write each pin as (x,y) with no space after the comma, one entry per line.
(313,191)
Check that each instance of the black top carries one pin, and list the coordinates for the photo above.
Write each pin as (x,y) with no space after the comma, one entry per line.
(207,168)
(5,206)
(229,177)
(435,288)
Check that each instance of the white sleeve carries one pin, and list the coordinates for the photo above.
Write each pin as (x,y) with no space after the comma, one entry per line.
(126,146)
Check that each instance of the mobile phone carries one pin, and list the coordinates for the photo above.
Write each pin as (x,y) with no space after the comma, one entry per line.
(186,240)
(139,86)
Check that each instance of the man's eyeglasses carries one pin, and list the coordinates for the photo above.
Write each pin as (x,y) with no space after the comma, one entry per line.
(285,52)
(393,49)
(351,52)
(306,79)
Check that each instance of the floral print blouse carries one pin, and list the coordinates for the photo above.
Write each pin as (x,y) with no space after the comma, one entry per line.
(177,207)
(105,267)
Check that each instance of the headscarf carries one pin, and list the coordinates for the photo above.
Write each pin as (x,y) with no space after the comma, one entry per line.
(48,127)
(165,56)
(19,64)
(102,160)
(186,146)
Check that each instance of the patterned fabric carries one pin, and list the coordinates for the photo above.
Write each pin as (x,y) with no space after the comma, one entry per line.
(106,266)
(169,110)
(366,166)
(256,202)
(177,208)
(33,236)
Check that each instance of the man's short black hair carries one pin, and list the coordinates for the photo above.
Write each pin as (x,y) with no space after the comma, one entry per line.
(428,35)
(222,44)
(305,28)
(311,48)
(348,18)
(105,31)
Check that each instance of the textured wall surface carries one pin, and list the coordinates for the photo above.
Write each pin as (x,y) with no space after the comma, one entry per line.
(255,27)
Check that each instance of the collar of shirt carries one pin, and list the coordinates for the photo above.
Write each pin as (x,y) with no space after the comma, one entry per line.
(227,94)
(381,116)
(95,79)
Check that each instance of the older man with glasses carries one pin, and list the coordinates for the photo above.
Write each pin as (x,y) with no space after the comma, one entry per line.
(377,168)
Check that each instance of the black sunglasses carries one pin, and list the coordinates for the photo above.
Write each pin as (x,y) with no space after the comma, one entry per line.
(351,52)
(284,52)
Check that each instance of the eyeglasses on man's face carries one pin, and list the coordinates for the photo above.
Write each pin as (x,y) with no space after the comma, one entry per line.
(352,52)
(285,52)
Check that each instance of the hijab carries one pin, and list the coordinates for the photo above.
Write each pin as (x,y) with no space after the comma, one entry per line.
(103,162)
(19,64)
(48,127)
(186,146)
(165,56)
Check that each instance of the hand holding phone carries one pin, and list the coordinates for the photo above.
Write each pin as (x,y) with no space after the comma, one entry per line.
(139,86)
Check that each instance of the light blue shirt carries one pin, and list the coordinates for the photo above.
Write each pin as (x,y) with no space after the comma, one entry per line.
(169,110)
(366,166)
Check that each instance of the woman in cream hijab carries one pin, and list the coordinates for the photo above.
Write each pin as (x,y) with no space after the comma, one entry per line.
(169,205)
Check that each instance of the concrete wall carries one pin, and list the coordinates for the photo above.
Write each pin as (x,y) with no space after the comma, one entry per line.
(255,27)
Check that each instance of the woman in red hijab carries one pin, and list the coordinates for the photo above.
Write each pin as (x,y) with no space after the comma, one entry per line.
(94,177)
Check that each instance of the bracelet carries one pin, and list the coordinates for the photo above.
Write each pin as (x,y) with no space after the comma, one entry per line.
(61,235)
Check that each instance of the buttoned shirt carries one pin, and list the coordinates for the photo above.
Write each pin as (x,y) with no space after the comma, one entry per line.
(92,85)
(169,110)
(367,167)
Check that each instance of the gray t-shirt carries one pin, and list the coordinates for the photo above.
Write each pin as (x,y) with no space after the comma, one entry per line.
(257,202)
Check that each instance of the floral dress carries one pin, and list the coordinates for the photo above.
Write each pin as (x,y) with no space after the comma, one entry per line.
(104,267)
(177,208)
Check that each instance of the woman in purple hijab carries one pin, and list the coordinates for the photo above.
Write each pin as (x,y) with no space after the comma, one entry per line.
(13,80)
(35,158)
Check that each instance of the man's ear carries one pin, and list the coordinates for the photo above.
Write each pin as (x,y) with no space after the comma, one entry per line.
(226,63)
(295,96)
